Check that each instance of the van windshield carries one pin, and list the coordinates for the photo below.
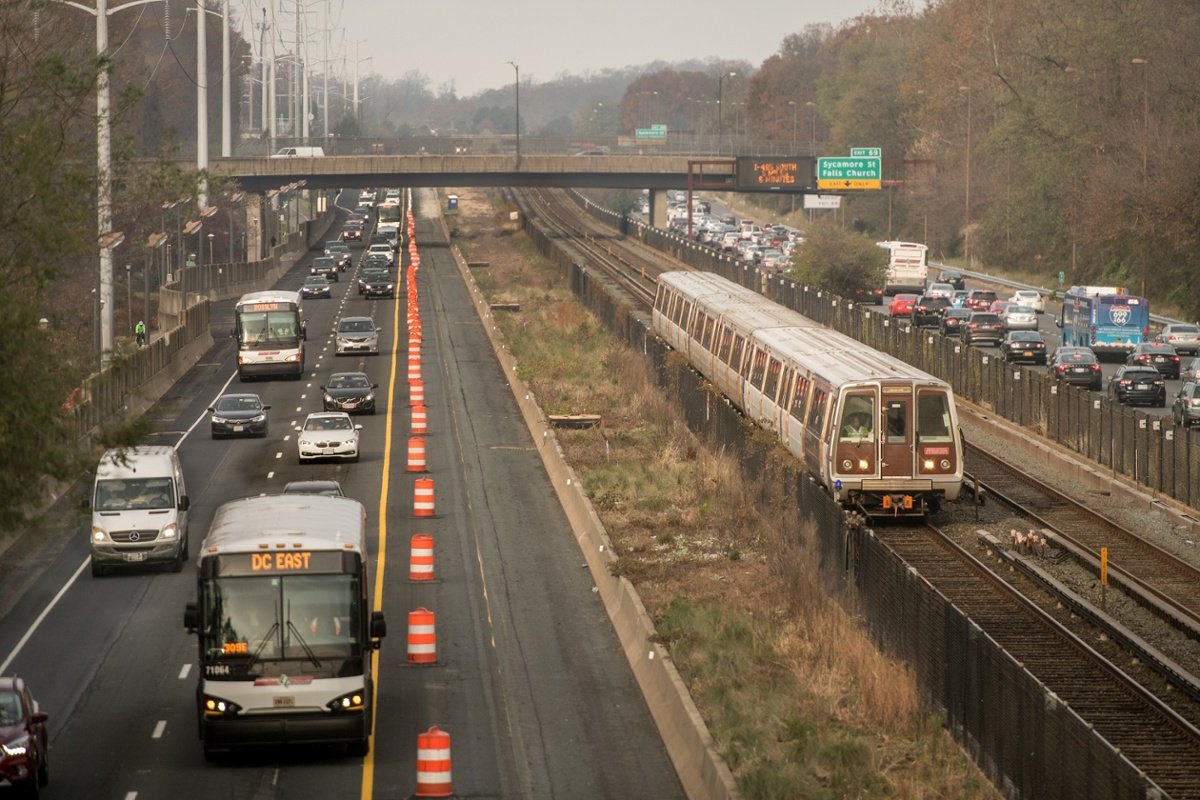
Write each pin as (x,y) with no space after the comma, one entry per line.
(135,494)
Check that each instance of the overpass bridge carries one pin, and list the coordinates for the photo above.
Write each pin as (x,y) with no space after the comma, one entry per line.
(657,173)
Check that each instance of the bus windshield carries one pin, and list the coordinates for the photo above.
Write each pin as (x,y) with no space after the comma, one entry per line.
(259,329)
(283,624)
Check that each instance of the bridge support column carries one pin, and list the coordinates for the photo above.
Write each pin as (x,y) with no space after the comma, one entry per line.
(658,208)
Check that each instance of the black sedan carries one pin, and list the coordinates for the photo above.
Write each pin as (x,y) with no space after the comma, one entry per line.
(1024,346)
(1158,355)
(1137,384)
(351,392)
(316,286)
(238,415)
(951,277)
(953,319)
(378,284)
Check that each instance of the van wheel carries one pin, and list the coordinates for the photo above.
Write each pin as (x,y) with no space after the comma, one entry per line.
(98,570)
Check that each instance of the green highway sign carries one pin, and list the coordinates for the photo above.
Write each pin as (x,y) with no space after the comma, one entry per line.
(849,173)
(865,152)
(657,132)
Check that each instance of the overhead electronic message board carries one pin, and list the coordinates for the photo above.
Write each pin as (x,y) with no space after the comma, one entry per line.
(774,174)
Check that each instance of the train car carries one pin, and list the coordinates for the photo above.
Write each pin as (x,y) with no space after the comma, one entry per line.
(881,435)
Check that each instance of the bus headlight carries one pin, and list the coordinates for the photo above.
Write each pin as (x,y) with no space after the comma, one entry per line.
(169,531)
(216,707)
(351,701)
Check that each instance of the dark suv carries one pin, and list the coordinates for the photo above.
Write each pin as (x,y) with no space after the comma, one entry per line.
(1138,384)
(983,326)
(927,311)
(24,745)
(1158,355)
(980,299)
(325,266)
(1077,366)
(951,277)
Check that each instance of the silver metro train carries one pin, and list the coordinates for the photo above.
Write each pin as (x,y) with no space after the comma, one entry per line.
(881,435)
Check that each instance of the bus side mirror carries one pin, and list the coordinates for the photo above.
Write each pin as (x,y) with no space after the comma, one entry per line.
(378,626)
(185,503)
(191,617)
(304,329)
(233,333)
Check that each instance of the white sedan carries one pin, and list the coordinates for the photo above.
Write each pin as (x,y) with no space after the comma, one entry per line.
(327,434)
(1029,297)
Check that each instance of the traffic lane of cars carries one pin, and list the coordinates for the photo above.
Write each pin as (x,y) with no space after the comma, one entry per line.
(92,653)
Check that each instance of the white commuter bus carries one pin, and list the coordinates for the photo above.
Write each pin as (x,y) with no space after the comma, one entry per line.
(285,627)
(907,268)
(270,334)
(388,218)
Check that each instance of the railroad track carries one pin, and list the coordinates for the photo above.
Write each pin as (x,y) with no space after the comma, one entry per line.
(1164,583)
(1128,715)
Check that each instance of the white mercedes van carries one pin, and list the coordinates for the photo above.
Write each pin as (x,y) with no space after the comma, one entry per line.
(299,152)
(139,509)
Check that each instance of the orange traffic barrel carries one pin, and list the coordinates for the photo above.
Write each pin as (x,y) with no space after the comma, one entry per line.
(423,501)
(420,558)
(416,393)
(414,346)
(422,640)
(433,764)
(420,421)
(414,368)
(416,454)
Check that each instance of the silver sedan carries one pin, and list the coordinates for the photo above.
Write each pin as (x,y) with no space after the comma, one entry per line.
(1020,318)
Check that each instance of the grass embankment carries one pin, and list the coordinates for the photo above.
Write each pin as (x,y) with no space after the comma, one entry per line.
(800,703)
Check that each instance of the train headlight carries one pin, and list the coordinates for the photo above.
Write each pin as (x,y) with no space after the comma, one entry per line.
(927,464)
(863,465)
(945,463)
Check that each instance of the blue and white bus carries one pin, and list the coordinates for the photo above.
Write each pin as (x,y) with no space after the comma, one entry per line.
(1104,318)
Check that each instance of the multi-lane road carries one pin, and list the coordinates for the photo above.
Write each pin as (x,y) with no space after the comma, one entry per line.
(531,683)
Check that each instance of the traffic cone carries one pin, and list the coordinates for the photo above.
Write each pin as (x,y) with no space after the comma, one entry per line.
(422,638)
(423,500)
(416,454)
(433,764)
(420,558)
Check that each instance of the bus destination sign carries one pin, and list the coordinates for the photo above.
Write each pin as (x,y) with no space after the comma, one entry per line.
(280,562)
(774,174)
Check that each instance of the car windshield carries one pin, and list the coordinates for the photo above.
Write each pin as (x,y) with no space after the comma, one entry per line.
(1140,374)
(356,326)
(1184,329)
(349,382)
(322,261)
(233,402)
(984,318)
(316,280)
(328,424)
(1077,356)
(1025,336)
(10,709)
(1020,310)
(134,494)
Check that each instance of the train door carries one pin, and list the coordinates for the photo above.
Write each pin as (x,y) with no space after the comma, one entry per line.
(896,451)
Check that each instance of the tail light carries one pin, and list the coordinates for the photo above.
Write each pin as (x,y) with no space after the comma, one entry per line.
(1095,367)
(1174,358)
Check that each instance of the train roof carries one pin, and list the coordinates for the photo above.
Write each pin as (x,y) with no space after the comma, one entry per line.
(833,355)
(314,522)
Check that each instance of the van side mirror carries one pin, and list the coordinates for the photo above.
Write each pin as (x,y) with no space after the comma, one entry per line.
(85,503)
(185,503)
(191,617)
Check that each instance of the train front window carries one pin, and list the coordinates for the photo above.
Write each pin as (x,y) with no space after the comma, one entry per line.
(897,421)
(933,417)
(858,417)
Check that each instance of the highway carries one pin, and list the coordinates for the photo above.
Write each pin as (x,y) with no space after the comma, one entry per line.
(531,683)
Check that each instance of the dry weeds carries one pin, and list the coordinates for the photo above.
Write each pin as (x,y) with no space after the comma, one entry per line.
(798,699)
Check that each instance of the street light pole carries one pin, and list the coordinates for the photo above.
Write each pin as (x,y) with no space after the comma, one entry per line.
(1144,63)
(518,90)
(720,92)
(967,192)
(812,142)
(795,111)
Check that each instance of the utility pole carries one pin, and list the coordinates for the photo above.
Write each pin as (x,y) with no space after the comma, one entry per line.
(263,27)
(226,122)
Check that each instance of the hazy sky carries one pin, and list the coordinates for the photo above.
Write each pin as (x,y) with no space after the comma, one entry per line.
(469,41)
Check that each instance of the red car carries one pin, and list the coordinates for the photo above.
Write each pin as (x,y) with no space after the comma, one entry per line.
(902,305)
(23,741)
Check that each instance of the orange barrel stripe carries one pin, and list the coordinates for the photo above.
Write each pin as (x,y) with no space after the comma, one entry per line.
(422,640)
(423,500)
(433,764)
(420,420)
(416,393)
(420,559)
(414,369)
(416,454)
